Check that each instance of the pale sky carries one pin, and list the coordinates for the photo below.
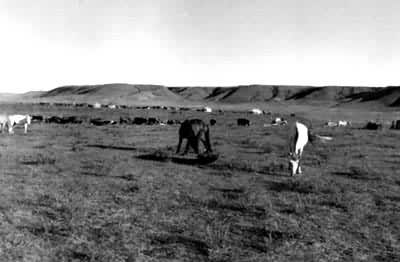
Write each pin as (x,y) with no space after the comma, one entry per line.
(48,43)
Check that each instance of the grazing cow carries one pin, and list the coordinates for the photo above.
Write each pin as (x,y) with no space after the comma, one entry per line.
(127,120)
(96,105)
(213,122)
(37,118)
(194,130)
(298,140)
(64,120)
(173,122)
(279,121)
(395,124)
(243,122)
(139,120)
(373,126)
(101,122)
(152,121)
(256,111)
(14,120)
(71,120)
(54,119)
(331,124)
(343,123)
(207,109)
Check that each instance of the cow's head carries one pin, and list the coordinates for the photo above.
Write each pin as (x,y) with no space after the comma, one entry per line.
(294,160)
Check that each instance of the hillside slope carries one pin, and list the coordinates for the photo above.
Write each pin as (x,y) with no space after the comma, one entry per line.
(298,94)
(113,93)
(374,97)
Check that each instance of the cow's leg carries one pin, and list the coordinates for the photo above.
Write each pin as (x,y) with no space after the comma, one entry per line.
(298,171)
(195,144)
(205,144)
(26,128)
(179,145)
(188,144)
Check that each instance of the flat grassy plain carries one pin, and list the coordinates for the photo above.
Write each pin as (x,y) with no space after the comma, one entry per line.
(119,193)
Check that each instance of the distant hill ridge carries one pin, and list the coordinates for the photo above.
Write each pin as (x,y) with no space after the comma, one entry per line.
(387,96)
(158,94)
(113,93)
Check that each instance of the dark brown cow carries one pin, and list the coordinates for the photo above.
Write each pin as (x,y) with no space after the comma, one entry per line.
(194,130)
(139,121)
(37,118)
(243,122)
(152,121)
(101,122)
(373,126)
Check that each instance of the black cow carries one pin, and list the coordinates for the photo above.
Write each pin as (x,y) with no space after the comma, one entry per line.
(153,121)
(373,126)
(54,119)
(63,120)
(71,120)
(139,120)
(173,122)
(126,120)
(243,122)
(101,122)
(194,130)
(213,122)
(37,118)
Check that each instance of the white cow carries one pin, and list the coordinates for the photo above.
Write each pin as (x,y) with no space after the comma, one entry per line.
(331,124)
(18,120)
(279,121)
(298,140)
(256,111)
(207,109)
(343,123)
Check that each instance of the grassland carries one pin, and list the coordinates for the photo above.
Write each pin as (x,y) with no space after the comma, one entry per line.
(118,193)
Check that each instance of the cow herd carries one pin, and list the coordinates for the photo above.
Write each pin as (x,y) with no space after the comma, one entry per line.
(101,121)
(195,131)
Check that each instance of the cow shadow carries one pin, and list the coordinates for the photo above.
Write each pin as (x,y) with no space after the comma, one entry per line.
(160,156)
(123,148)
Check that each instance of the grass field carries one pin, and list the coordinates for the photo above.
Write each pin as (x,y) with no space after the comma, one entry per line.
(119,193)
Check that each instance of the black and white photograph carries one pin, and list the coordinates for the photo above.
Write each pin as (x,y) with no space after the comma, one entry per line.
(199,130)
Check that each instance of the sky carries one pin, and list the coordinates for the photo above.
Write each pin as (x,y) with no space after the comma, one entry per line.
(49,43)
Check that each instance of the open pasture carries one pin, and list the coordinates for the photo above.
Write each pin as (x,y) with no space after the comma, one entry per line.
(119,193)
